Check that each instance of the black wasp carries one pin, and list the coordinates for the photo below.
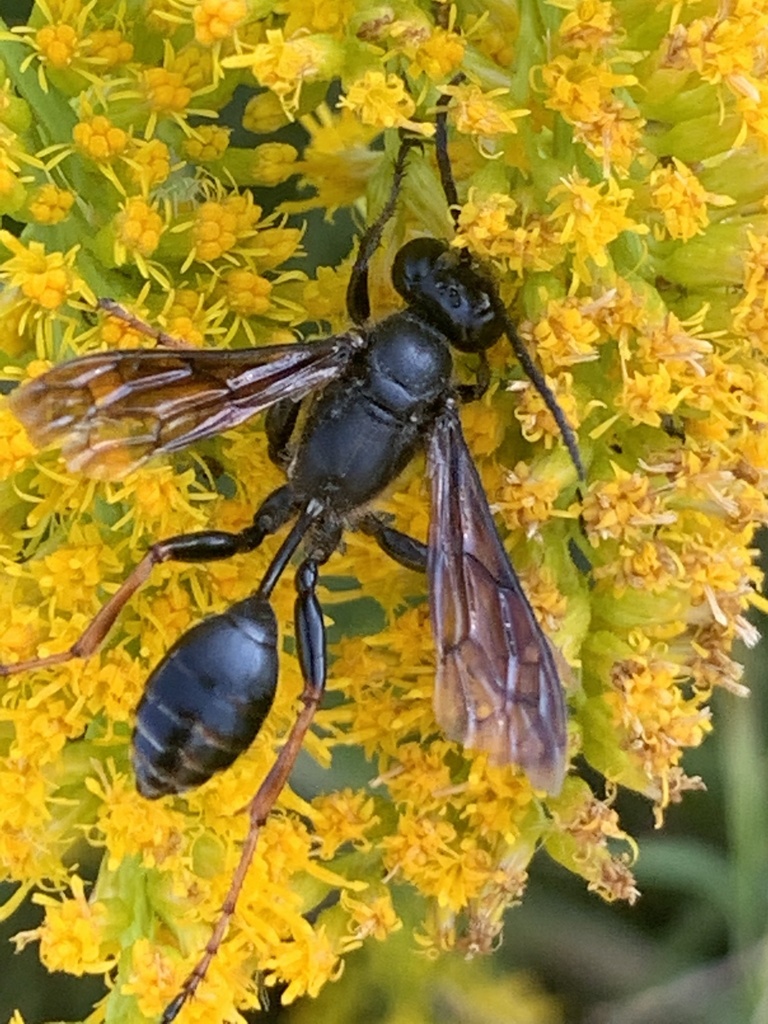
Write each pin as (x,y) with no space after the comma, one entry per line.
(370,399)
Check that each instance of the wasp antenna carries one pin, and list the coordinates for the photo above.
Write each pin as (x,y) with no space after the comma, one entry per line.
(536,377)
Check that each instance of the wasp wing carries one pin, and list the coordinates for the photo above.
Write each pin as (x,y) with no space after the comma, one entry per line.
(497,689)
(111,411)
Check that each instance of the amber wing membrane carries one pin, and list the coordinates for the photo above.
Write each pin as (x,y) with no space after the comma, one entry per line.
(497,688)
(111,411)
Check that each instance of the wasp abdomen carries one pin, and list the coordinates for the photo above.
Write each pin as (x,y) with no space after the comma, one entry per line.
(207,699)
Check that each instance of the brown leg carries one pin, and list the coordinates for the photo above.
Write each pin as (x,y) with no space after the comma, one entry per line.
(259,810)
(203,546)
(94,633)
(161,337)
(310,641)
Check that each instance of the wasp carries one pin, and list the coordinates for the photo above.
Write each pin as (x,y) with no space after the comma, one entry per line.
(344,416)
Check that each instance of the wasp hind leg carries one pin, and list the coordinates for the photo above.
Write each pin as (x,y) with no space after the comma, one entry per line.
(311,649)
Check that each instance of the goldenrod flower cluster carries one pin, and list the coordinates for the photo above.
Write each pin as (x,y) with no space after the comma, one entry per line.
(612,167)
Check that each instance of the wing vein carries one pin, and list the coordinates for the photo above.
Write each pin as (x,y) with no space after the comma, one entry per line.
(497,686)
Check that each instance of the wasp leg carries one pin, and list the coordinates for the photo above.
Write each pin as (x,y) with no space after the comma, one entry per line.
(203,546)
(473,392)
(399,546)
(310,629)
(137,324)
(311,647)
(358,299)
(279,424)
(534,374)
(441,151)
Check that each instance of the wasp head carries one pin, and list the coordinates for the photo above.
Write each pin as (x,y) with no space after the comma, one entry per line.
(446,289)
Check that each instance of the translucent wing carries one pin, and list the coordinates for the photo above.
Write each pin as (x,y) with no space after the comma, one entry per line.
(497,688)
(112,410)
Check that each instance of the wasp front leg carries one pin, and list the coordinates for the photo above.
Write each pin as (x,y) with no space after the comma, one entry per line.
(358,299)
